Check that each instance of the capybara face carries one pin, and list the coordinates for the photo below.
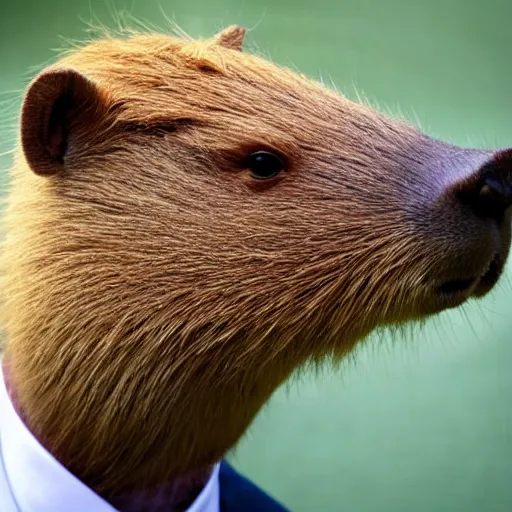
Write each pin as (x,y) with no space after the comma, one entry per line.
(198,223)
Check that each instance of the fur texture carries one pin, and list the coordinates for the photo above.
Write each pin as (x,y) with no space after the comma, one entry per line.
(155,294)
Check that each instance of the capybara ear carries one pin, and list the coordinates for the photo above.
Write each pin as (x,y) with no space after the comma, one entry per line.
(60,108)
(231,37)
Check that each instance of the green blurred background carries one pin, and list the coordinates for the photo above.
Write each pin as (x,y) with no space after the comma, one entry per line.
(421,424)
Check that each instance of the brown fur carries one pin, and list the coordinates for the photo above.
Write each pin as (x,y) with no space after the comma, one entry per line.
(155,295)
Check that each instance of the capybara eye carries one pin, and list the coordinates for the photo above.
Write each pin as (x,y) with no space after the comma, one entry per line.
(264,165)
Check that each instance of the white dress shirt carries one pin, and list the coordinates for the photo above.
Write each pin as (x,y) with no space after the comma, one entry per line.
(32,480)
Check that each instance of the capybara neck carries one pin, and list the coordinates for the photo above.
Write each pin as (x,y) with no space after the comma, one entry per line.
(187,224)
(173,496)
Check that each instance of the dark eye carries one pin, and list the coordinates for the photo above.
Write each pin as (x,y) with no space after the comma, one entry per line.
(264,165)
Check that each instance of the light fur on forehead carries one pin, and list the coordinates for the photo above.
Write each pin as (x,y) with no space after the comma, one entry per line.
(231,37)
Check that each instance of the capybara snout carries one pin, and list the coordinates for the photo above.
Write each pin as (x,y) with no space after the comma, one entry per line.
(463,218)
(484,194)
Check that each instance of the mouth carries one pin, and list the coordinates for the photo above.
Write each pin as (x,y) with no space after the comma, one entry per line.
(456,291)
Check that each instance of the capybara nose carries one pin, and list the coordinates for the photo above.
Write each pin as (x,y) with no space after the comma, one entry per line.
(489,189)
(474,224)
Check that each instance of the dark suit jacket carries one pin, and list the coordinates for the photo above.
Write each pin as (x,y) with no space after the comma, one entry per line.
(238,494)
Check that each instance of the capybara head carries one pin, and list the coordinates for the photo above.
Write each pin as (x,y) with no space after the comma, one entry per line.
(188,223)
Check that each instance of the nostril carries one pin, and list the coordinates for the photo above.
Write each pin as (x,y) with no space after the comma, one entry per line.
(489,189)
(495,193)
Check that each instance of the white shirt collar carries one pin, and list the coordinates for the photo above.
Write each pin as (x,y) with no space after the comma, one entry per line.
(32,480)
